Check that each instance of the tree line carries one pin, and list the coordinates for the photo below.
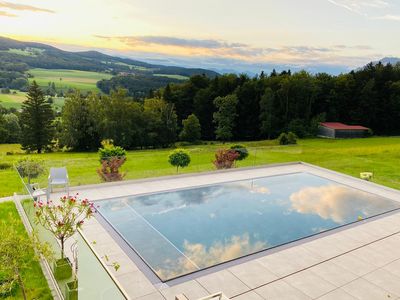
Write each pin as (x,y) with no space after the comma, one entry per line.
(266,105)
(227,107)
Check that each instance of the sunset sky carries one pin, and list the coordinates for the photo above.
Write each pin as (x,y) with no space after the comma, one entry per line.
(329,32)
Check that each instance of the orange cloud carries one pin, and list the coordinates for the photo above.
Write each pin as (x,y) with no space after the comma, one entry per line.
(6,14)
(14,6)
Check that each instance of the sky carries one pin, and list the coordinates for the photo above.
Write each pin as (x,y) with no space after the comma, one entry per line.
(220,34)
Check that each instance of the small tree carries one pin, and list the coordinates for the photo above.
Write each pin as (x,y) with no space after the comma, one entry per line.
(241,150)
(64,219)
(225,158)
(36,121)
(15,248)
(30,168)
(111,158)
(179,158)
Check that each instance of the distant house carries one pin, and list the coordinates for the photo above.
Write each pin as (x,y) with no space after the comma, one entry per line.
(342,131)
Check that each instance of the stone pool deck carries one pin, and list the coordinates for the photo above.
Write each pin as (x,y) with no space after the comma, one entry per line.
(360,261)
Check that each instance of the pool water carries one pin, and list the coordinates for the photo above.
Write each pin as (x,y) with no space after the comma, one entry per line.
(183,231)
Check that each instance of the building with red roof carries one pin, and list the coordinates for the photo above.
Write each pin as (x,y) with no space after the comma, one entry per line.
(338,130)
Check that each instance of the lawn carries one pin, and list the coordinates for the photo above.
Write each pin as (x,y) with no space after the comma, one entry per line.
(378,155)
(35,282)
(66,79)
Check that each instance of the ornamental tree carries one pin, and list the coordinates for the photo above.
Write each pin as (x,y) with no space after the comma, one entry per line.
(179,158)
(111,159)
(64,218)
(30,168)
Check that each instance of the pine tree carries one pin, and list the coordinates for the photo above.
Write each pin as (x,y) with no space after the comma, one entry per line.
(36,121)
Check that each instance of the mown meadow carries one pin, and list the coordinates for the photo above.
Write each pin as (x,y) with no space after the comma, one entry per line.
(380,155)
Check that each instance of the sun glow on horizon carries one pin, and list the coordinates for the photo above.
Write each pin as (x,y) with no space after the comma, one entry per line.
(329,32)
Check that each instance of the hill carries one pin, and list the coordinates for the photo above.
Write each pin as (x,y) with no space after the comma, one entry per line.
(37,55)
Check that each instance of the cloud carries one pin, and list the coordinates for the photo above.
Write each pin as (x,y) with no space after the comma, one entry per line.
(388,17)
(175,41)
(6,14)
(14,6)
(201,256)
(360,6)
(338,203)
(300,55)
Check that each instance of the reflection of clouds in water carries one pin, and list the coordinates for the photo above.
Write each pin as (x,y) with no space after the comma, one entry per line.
(204,256)
(339,203)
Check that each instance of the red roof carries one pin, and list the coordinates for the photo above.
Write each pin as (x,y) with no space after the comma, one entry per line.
(341,126)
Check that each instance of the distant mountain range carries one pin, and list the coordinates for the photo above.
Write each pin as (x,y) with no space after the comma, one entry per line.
(389,60)
(37,55)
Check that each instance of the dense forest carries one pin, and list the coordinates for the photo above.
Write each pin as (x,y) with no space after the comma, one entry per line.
(269,104)
(227,107)
(137,86)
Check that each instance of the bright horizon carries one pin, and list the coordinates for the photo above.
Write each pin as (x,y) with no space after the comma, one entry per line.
(345,33)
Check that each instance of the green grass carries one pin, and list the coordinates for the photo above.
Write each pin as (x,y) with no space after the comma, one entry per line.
(34,280)
(179,77)
(82,80)
(378,155)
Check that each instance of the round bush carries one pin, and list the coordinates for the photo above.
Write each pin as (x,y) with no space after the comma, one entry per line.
(241,150)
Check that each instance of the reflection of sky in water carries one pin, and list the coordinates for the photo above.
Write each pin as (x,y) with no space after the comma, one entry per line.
(183,231)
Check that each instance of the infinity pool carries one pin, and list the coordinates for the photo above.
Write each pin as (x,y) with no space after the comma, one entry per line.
(183,231)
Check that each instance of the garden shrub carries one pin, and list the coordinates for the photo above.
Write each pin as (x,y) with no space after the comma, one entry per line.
(5,166)
(241,150)
(292,138)
(283,139)
(225,158)
(287,138)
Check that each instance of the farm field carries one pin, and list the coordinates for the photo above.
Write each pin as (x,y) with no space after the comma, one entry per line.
(378,155)
(15,100)
(66,79)
(12,100)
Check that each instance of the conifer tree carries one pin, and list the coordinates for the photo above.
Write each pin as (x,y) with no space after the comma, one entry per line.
(36,121)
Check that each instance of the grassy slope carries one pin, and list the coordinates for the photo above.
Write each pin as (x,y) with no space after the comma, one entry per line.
(379,155)
(11,100)
(15,101)
(82,80)
(36,284)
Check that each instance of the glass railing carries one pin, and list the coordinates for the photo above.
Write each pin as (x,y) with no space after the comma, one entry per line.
(94,281)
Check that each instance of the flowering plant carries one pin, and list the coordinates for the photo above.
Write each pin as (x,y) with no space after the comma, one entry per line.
(65,217)
(225,158)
